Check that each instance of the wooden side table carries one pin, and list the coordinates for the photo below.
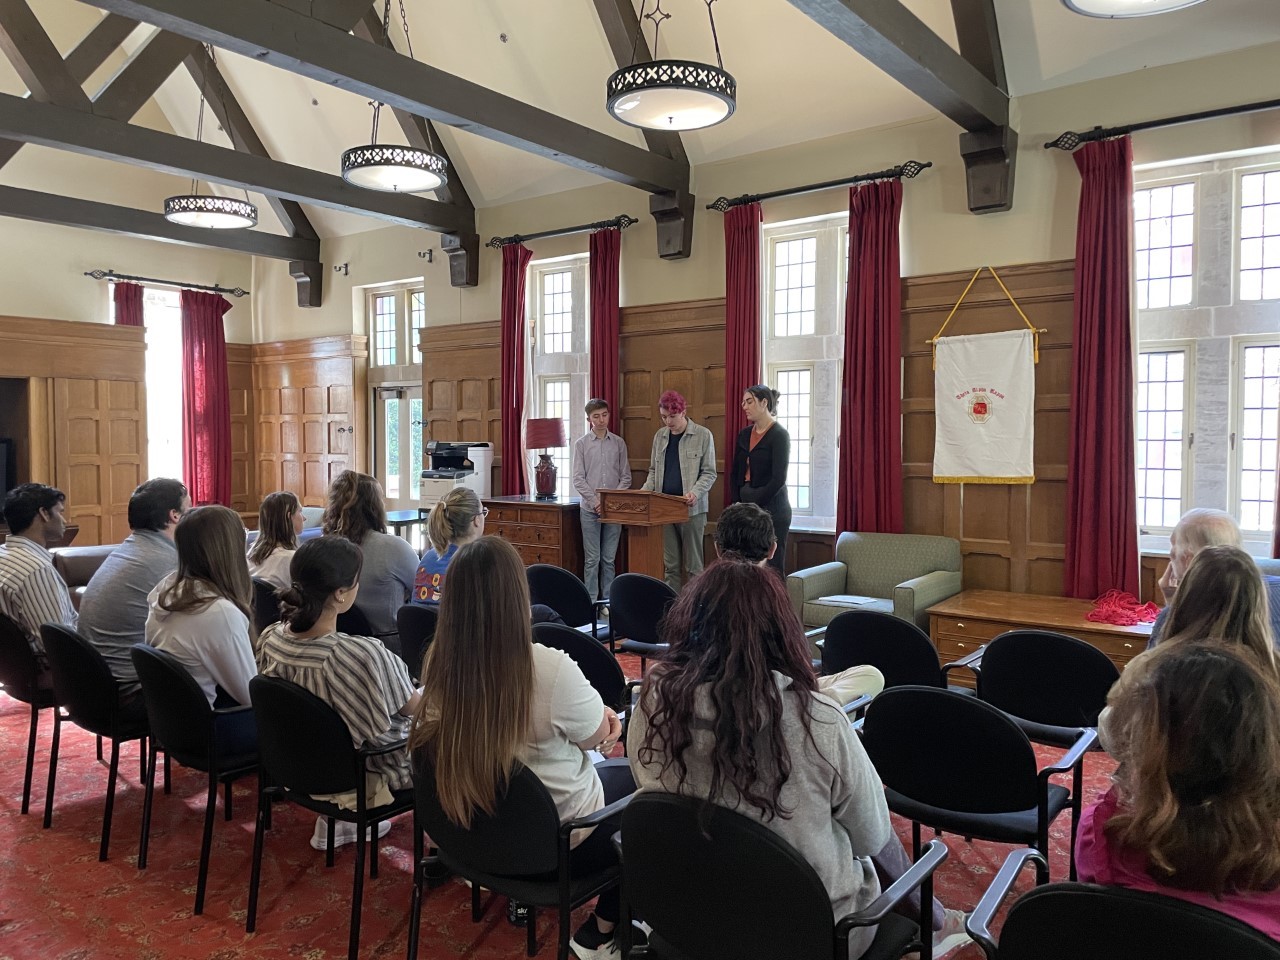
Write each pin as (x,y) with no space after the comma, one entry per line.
(542,531)
(961,624)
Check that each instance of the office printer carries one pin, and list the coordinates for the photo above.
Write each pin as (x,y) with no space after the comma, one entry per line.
(456,464)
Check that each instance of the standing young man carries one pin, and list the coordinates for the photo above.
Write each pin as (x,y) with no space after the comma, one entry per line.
(599,463)
(682,463)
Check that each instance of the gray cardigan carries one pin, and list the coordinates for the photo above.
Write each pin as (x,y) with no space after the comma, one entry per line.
(697,463)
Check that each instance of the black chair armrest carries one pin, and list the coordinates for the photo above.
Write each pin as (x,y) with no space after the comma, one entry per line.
(230,711)
(367,751)
(931,857)
(973,661)
(1073,756)
(816,635)
(979,923)
(595,819)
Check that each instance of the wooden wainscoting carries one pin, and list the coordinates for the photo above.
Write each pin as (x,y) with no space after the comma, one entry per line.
(311,401)
(1011,536)
(244,496)
(462,387)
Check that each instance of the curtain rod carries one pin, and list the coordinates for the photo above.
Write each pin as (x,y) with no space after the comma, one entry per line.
(1070,140)
(910,169)
(620,222)
(111,275)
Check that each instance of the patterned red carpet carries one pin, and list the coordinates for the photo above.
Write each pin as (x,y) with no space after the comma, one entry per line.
(59,903)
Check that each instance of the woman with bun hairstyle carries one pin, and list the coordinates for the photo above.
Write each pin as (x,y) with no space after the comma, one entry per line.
(359,677)
(456,519)
(760,459)
(279,523)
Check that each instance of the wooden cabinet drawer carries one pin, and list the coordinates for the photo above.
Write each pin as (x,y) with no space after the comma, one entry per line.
(532,553)
(542,516)
(502,513)
(528,533)
(949,648)
(979,631)
(1116,646)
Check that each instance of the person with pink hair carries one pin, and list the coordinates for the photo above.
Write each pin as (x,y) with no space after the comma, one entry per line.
(682,463)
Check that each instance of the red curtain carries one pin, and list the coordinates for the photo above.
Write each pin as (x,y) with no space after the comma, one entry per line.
(606,246)
(742,257)
(1102,512)
(128,299)
(870,489)
(206,399)
(515,258)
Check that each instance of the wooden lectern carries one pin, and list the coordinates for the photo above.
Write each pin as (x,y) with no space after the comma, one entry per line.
(644,513)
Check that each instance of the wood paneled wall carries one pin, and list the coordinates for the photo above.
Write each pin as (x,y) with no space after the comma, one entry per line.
(244,497)
(462,387)
(310,401)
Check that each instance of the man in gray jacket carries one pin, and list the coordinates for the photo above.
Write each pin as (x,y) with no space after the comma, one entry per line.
(682,463)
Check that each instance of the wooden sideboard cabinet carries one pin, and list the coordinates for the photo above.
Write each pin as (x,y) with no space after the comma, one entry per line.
(542,531)
(961,624)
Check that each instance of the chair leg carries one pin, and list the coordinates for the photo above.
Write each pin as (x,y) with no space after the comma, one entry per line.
(53,767)
(531,932)
(148,794)
(226,803)
(255,873)
(373,853)
(475,902)
(562,947)
(1077,790)
(915,840)
(415,901)
(111,799)
(328,857)
(357,895)
(31,758)
(167,788)
(206,843)
(100,758)
(142,758)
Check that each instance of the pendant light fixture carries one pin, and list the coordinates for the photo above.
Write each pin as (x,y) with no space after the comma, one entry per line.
(671,94)
(195,209)
(387,166)
(1125,9)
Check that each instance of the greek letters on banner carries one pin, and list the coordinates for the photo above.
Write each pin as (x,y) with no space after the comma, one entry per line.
(984,398)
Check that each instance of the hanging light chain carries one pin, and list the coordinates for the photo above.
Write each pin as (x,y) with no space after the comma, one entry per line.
(657,15)
(635,41)
(386,42)
(715,37)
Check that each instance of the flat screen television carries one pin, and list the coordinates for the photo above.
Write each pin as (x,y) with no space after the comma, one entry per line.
(8,465)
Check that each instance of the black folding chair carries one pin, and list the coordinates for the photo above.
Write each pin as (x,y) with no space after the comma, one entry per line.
(1066,921)
(84,687)
(417,626)
(354,623)
(20,677)
(304,751)
(637,604)
(897,648)
(563,592)
(713,884)
(521,852)
(186,728)
(266,606)
(597,664)
(957,764)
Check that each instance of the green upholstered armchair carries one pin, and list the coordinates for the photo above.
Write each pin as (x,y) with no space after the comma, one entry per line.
(906,573)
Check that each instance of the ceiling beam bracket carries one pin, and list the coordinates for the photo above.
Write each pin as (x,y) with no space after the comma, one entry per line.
(309,275)
(463,251)
(673,213)
(989,158)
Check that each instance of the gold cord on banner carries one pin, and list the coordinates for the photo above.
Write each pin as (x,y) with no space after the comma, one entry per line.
(1035,331)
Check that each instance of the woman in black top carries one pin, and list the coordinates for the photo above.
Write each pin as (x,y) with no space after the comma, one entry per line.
(760,459)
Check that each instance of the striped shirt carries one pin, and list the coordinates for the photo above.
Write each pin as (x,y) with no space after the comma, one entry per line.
(31,591)
(360,678)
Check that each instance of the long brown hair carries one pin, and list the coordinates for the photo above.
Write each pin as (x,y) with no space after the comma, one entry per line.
(1196,730)
(211,562)
(1222,598)
(355,507)
(275,525)
(477,682)
(450,517)
(731,628)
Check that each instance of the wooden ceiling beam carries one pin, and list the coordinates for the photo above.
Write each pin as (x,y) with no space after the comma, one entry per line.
(979,38)
(98,44)
(990,154)
(275,34)
(91,215)
(33,55)
(141,76)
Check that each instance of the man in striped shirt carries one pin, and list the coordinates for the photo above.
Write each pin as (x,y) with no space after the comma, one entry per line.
(31,591)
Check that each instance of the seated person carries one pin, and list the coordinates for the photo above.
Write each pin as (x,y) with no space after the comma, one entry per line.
(1198,529)
(279,523)
(359,677)
(113,610)
(455,520)
(1194,810)
(31,591)
(358,512)
(200,614)
(492,699)
(738,664)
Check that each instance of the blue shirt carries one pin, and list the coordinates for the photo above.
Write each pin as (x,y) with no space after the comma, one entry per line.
(1272,585)
(428,584)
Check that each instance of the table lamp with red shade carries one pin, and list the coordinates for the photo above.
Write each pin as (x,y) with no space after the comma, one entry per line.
(544,433)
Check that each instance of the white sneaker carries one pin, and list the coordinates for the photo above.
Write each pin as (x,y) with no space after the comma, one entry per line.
(953,934)
(343,833)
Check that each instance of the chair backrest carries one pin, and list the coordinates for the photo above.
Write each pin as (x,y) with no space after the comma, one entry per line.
(562,592)
(637,604)
(178,712)
(713,883)
(302,742)
(18,667)
(1111,923)
(266,606)
(77,565)
(878,562)
(355,623)
(417,626)
(896,647)
(594,660)
(1047,677)
(520,839)
(82,681)
(950,750)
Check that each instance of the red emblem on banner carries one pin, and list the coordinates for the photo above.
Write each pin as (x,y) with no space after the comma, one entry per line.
(979,408)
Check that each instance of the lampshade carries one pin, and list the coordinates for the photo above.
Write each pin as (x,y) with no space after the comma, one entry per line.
(216,213)
(671,95)
(543,433)
(1123,9)
(393,168)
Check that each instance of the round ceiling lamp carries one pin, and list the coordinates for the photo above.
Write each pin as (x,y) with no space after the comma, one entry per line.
(387,166)
(1125,9)
(671,94)
(216,213)
(195,209)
